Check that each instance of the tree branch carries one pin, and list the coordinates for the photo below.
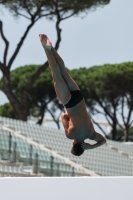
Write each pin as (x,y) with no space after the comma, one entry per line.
(131,123)
(122,112)
(120,125)
(68,16)
(126,97)
(22,15)
(42,115)
(57,121)
(98,126)
(108,120)
(58,29)
(32,80)
(41,108)
(35,101)
(99,111)
(51,13)
(2,67)
(59,115)
(129,113)
(6,43)
(19,45)
(104,108)
(25,5)
(33,20)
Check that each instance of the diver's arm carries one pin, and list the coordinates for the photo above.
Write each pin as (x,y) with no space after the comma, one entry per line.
(100,141)
(87,146)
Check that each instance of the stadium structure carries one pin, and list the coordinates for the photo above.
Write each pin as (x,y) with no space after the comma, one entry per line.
(30,150)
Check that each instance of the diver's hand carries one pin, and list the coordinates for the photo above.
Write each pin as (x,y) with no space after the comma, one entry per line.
(86,146)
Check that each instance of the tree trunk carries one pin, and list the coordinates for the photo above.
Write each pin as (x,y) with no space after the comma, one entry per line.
(114,131)
(20,110)
(58,125)
(22,114)
(126,134)
(42,116)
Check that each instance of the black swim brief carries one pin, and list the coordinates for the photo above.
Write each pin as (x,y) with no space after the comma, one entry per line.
(76,97)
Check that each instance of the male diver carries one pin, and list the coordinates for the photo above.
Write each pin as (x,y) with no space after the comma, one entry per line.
(77,123)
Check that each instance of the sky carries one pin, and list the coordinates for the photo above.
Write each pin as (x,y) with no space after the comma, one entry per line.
(103,36)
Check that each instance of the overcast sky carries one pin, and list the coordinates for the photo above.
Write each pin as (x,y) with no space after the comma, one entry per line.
(103,36)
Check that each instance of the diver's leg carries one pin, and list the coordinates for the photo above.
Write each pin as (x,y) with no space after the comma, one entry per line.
(61,88)
(72,85)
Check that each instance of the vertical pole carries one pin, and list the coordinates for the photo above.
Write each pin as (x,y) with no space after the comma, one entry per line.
(51,165)
(30,160)
(73,174)
(10,142)
(14,152)
(36,164)
(58,169)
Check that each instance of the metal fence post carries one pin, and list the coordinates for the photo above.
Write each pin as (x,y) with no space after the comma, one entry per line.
(36,164)
(58,170)
(30,159)
(51,165)
(14,152)
(73,173)
(10,142)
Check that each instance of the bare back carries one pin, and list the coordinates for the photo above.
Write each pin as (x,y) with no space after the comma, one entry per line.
(80,125)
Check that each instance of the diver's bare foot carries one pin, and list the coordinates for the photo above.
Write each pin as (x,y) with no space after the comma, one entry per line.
(46,43)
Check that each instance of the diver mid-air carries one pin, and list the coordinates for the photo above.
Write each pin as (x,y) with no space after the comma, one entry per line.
(76,121)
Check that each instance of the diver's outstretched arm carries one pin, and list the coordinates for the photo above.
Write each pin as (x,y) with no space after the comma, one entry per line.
(100,141)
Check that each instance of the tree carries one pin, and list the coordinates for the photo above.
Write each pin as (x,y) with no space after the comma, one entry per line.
(103,86)
(120,135)
(33,10)
(110,87)
(6,110)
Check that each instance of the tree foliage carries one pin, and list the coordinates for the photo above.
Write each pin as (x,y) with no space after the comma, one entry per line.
(110,87)
(64,7)
(107,90)
(41,95)
(6,110)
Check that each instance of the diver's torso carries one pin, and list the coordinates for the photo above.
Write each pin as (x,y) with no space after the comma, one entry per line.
(80,125)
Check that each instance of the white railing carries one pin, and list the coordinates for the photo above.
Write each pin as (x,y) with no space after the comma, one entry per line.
(53,153)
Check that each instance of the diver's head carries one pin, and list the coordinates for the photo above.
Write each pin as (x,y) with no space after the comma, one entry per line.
(77,149)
